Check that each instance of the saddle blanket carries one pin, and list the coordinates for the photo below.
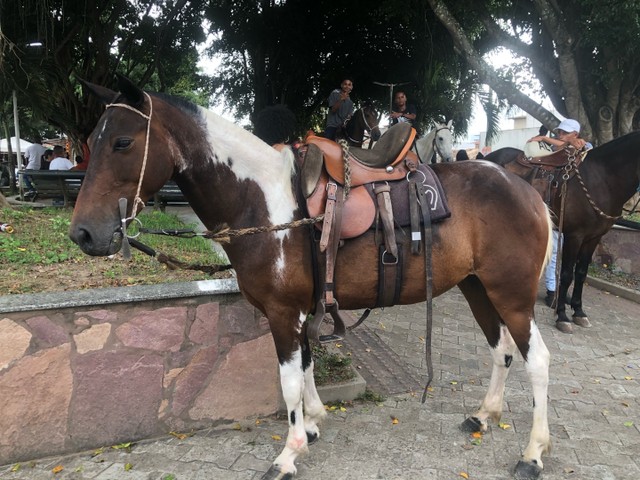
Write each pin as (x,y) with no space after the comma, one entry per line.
(400,197)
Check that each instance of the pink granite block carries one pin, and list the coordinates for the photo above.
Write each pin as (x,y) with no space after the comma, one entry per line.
(204,330)
(34,396)
(160,330)
(245,384)
(99,316)
(46,333)
(193,379)
(116,398)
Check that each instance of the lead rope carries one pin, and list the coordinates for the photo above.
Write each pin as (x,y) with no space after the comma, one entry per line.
(137,200)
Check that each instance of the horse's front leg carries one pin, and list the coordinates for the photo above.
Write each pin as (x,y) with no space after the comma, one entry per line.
(582,268)
(293,354)
(313,406)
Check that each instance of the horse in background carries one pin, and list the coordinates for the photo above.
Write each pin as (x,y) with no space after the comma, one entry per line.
(438,141)
(597,190)
(232,178)
(364,120)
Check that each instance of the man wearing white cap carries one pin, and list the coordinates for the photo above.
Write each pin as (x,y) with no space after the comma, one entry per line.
(566,134)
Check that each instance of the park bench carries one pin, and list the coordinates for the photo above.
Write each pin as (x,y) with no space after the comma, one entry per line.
(56,183)
(66,184)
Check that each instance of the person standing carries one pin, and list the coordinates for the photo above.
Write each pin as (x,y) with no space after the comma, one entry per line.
(340,108)
(33,155)
(60,162)
(567,133)
(403,112)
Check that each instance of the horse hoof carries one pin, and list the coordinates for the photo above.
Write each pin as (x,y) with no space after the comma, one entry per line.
(564,327)
(527,470)
(312,438)
(274,473)
(471,425)
(582,321)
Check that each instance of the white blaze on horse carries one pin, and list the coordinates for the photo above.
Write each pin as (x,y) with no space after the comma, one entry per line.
(494,250)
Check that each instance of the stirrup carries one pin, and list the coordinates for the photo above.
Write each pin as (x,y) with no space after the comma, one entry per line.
(339,330)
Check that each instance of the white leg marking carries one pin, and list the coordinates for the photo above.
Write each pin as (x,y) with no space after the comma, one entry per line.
(493,401)
(313,407)
(537,366)
(292,381)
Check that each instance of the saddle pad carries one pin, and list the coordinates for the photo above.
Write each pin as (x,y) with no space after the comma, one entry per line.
(400,197)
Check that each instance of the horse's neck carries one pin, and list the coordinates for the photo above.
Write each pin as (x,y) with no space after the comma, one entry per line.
(425,148)
(354,128)
(617,175)
(238,179)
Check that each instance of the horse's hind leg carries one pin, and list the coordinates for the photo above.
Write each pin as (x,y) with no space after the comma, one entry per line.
(502,350)
(503,343)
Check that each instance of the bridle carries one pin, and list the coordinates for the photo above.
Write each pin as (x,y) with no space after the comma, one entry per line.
(368,128)
(434,143)
(137,201)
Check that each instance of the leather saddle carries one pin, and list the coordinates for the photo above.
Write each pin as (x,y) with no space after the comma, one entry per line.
(554,160)
(324,163)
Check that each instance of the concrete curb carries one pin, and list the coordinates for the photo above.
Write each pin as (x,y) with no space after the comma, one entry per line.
(622,292)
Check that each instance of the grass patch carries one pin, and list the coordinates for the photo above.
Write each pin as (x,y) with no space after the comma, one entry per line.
(40,257)
(329,367)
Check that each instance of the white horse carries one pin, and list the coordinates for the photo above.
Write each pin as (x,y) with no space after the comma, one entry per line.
(438,141)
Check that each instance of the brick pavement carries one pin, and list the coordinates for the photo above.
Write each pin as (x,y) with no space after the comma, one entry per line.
(594,414)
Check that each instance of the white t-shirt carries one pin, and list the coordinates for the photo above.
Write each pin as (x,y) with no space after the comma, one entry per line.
(33,154)
(60,163)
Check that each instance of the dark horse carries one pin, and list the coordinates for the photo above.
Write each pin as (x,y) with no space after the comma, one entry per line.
(494,250)
(364,120)
(596,194)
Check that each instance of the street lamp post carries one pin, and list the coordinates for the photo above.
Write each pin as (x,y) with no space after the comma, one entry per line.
(391,85)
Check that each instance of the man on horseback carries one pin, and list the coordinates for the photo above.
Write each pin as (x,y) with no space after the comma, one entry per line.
(567,133)
(340,108)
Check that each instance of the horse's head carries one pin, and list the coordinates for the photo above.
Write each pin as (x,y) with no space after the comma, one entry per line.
(128,161)
(371,121)
(443,141)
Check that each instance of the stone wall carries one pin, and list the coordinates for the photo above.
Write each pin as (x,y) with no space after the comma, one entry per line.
(620,248)
(94,368)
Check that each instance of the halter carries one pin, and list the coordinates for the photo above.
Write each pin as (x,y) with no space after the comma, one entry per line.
(368,128)
(434,144)
(137,200)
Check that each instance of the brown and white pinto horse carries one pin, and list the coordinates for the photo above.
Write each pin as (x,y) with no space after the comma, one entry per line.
(494,249)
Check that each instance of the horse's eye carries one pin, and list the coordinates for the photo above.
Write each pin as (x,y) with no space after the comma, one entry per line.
(122,143)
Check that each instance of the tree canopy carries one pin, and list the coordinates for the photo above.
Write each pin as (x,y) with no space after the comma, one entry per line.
(584,53)
(294,52)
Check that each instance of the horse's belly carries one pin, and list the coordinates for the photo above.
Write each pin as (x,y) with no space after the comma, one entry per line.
(357,270)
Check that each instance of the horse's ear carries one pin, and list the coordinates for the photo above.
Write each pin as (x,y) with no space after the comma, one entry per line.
(450,123)
(131,92)
(105,94)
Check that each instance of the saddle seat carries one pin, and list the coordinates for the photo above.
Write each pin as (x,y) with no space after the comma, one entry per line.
(366,165)
(553,160)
